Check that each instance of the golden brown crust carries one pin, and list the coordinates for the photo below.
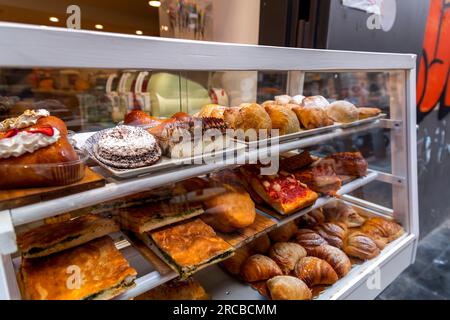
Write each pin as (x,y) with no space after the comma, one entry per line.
(288,288)
(314,271)
(286,255)
(335,257)
(309,239)
(176,290)
(313,218)
(261,244)
(234,263)
(333,233)
(283,233)
(248,116)
(101,265)
(338,211)
(296,162)
(361,246)
(51,238)
(381,230)
(365,112)
(312,117)
(190,244)
(259,267)
(282,119)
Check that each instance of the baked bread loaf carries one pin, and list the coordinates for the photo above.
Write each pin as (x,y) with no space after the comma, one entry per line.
(234,263)
(314,271)
(282,119)
(333,233)
(258,268)
(176,290)
(286,255)
(361,246)
(248,116)
(335,257)
(283,233)
(261,244)
(309,240)
(342,112)
(288,288)
(365,113)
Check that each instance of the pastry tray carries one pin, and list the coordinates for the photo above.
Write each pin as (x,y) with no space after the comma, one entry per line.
(163,163)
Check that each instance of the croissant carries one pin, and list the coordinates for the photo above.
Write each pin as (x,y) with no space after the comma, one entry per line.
(261,244)
(360,246)
(286,255)
(383,228)
(313,218)
(309,240)
(333,233)
(339,211)
(284,233)
(314,271)
(288,288)
(259,267)
(335,257)
(234,263)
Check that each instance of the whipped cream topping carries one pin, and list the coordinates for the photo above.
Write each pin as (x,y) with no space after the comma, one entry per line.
(24,142)
(26,119)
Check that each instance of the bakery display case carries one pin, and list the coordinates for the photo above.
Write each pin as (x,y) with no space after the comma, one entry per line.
(306,190)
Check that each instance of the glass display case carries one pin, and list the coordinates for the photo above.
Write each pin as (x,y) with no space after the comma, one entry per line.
(92,80)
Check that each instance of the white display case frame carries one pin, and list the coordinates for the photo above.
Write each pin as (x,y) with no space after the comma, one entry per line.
(25,46)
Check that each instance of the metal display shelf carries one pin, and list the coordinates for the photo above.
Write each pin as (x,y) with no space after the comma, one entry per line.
(25,46)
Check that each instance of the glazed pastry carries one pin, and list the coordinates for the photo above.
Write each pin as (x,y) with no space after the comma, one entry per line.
(314,271)
(248,116)
(288,288)
(361,246)
(313,218)
(283,233)
(104,273)
(333,233)
(261,245)
(259,267)
(342,112)
(320,177)
(283,119)
(312,117)
(382,231)
(349,163)
(188,289)
(286,255)
(309,240)
(338,211)
(230,210)
(127,147)
(364,113)
(296,162)
(140,118)
(50,238)
(335,257)
(234,263)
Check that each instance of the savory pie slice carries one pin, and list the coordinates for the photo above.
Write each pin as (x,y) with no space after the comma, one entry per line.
(55,237)
(189,246)
(156,215)
(93,271)
(281,191)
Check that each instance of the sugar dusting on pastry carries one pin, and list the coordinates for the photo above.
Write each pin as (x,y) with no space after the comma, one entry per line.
(26,119)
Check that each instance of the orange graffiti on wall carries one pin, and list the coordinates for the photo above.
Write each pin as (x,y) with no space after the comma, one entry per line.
(433,83)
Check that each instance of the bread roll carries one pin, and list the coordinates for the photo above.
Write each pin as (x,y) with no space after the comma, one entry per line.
(314,271)
(283,119)
(261,245)
(286,255)
(259,267)
(342,111)
(283,233)
(315,101)
(288,288)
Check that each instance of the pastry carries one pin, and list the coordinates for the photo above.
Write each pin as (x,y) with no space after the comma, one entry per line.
(50,238)
(286,255)
(320,177)
(333,233)
(335,257)
(309,240)
(127,147)
(231,210)
(342,112)
(283,119)
(349,163)
(212,111)
(382,231)
(283,233)
(312,117)
(296,162)
(314,271)
(188,289)
(315,101)
(259,267)
(364,113)
(31,141)
(261,245)
(313,218)
(281,191)
(234,263)
(283,99)
(188,246)
(158,214)
(337,211)
(361,246)
(140,118)
(248,116)
(93,271)
(288,288)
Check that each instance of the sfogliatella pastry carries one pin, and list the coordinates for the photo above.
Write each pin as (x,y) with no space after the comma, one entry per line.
(127,147)
(234,263)
(283,233)
(335,257)
(361,246)
(261,244)
(286,255)
(314,271)
(35,152)
(288,288)
(342,111)
(258,268)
